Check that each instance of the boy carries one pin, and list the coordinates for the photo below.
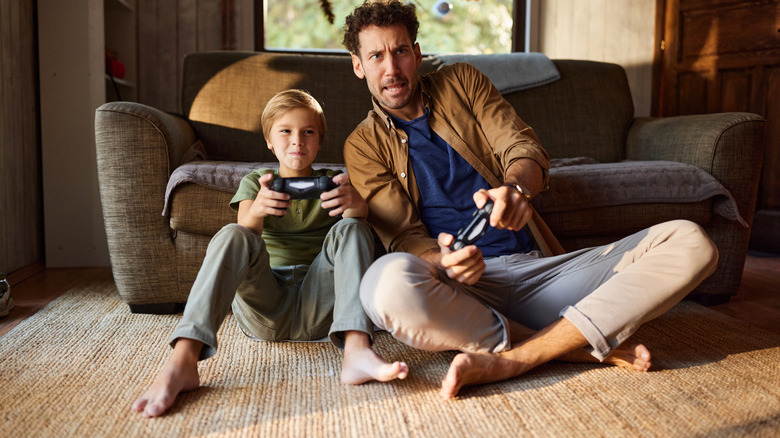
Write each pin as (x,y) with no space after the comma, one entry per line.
(290,269)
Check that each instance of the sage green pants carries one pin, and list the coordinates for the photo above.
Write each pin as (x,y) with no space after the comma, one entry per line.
(299,303)
(607,292)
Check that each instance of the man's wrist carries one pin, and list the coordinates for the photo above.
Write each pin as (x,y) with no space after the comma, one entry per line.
(523,191)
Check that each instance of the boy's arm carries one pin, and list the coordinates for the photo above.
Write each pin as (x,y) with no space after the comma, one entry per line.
(252,212)
(344,200)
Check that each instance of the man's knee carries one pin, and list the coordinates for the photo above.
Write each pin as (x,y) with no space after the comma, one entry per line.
(391,282)
(691,238)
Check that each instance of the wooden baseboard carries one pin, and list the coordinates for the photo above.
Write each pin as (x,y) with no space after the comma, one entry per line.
(26,272)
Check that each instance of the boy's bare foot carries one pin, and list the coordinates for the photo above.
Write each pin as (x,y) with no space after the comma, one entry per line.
(361,364)
(180,374)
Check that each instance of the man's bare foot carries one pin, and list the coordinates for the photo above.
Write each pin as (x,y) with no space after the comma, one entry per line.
(629,355)
(475,368)
(472,369)
(361,364)
(180,374)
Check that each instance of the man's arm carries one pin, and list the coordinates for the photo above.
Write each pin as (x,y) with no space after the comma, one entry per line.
(392,212)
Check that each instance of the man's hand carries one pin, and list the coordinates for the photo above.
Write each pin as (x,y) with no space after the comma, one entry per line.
(344,199)
(511,210)
(465,265)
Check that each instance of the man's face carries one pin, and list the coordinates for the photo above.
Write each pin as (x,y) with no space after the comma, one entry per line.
(388,60)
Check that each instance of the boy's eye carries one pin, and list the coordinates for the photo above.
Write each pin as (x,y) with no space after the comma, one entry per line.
(309,131)
(284,131)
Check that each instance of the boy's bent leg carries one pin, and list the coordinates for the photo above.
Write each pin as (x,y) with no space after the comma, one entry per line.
(421,307)
(229,254)
(347,253)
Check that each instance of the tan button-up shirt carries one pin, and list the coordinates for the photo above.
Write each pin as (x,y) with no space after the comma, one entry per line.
(467,111)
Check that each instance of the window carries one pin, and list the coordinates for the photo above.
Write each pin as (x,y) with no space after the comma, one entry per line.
(465,26)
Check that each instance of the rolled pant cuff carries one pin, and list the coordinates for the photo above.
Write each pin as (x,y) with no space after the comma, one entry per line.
(599,345)
(338,329)
(209,342)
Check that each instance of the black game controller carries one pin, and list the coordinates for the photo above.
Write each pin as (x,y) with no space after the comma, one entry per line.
(306,187)
(475,229)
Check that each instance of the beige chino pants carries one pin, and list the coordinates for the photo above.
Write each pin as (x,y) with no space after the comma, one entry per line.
(607,292)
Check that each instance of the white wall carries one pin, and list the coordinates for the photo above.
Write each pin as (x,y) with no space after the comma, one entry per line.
(621,32)
(72,86)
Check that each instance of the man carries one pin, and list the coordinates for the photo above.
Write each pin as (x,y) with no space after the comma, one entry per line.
(432,150)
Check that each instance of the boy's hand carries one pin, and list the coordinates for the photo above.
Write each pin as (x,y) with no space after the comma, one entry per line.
(344,199)
(465,265)
(268,201)
(251,212)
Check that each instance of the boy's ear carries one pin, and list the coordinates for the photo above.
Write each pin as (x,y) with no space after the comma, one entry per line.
(268,144)
(357,67)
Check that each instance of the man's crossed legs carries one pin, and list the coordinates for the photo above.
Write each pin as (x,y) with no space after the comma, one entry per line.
(525,310)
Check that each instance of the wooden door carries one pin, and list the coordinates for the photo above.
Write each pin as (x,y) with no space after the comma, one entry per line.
(721,56)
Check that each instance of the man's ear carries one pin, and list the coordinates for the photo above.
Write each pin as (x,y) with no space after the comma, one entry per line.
(357,67)
(417,55)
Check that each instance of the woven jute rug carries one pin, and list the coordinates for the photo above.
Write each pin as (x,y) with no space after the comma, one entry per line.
(74,369)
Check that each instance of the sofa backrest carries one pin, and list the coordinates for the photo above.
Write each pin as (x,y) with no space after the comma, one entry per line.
(585,113)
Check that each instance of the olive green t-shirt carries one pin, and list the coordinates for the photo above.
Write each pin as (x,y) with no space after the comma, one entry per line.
(295,238)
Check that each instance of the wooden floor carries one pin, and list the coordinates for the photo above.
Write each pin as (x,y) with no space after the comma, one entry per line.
(757,302)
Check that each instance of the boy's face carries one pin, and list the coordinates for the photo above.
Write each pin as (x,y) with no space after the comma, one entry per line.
(388,60)
(295,140)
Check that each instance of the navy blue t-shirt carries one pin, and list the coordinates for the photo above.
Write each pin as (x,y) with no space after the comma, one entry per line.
(447,183)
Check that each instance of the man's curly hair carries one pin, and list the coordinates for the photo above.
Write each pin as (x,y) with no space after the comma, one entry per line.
(380,13)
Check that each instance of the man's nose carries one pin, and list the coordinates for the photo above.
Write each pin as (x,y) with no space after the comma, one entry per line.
(391,66)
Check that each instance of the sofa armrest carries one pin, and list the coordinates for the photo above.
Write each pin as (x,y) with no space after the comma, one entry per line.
(729,146)
(137,147)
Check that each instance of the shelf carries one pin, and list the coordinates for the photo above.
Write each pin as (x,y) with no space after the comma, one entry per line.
(120,82)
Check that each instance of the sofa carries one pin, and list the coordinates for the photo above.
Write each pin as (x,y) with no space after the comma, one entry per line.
(166,179)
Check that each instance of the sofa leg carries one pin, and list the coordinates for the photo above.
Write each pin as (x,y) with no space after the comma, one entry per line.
(709,300)
(157,308)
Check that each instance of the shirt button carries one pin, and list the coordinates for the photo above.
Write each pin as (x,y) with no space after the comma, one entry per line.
(403,140)
(298,211)
(403,174)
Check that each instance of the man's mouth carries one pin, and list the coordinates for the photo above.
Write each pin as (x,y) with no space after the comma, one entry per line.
(395,87)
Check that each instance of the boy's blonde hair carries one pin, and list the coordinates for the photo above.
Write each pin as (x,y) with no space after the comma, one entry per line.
(286,101)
